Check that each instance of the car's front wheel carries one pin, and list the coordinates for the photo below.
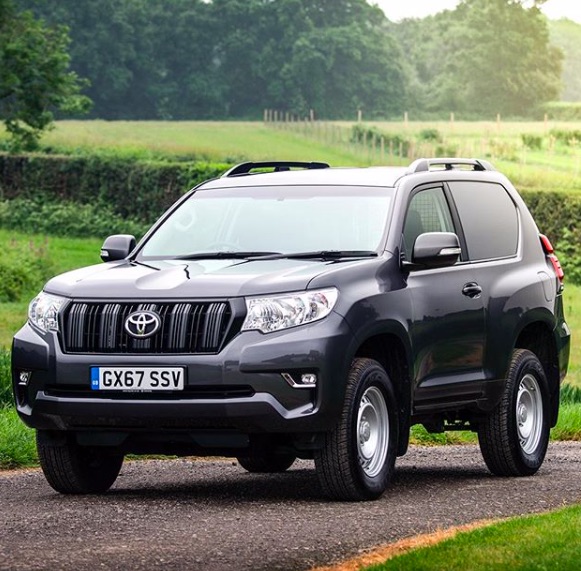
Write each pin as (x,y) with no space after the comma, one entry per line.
(73,469)
(357,459)
(515,435)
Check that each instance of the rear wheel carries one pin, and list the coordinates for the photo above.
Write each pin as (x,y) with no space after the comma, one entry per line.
(514,437)
(358,457)
(267,463)
(73,469)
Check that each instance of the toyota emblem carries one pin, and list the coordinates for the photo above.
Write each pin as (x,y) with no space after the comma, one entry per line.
(142,324)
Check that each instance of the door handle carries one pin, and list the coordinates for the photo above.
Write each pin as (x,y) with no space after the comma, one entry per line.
(472,290)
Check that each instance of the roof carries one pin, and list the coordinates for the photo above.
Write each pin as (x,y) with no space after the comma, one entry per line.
(366,176)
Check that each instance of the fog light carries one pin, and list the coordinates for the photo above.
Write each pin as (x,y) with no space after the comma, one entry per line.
(24,377)
(309,379)
(305,381)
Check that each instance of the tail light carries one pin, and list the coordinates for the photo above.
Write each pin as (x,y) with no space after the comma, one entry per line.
(550,253)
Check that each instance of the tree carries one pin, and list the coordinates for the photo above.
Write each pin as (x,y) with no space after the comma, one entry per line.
(34,76)
(483,58)
(507,63)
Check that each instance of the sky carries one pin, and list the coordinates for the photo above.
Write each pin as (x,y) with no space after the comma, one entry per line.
(396,10)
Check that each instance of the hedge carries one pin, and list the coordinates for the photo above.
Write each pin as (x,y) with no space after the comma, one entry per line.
(562,110)
(141,190)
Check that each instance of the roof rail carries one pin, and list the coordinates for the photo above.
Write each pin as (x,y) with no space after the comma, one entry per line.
(424,165)
(245,168)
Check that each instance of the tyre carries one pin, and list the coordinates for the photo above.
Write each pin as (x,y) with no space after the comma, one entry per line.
(514,437)
(73,469)
(267,463)
(357,459)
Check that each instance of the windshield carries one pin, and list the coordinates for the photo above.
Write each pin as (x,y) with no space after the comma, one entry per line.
(273,220)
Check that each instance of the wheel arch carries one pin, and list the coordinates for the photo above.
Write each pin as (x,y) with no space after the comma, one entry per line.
(538,338)
(393,354)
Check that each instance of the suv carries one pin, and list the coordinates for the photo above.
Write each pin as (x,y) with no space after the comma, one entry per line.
(307,312)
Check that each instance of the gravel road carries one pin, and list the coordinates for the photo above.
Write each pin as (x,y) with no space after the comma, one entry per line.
(211,515)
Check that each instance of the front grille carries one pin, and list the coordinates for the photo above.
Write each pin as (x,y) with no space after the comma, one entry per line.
(192,327)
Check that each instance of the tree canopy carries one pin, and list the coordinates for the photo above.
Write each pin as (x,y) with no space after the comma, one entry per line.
(34,75)
(220,59)
(484,57)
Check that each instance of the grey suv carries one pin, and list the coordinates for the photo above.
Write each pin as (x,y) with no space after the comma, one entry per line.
(307,312)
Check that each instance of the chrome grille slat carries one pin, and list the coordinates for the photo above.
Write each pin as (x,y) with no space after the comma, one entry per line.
(186,327)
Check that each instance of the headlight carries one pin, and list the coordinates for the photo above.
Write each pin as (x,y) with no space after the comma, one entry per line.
(43,311)
(283,311)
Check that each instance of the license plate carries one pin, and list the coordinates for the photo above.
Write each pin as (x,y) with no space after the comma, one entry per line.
(137,378)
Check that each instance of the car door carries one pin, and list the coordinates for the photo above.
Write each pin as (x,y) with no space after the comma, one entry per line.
(448,327)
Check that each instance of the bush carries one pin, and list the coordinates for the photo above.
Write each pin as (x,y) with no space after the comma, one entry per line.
(65,219)
(554,211)
(23,270)
(430,135)
(533,142)
(365,135)
(563,110)
(569,255)
(139,190)
(570,137)
(5,379)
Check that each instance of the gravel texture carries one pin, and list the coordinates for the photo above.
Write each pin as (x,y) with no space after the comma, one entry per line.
(212,515)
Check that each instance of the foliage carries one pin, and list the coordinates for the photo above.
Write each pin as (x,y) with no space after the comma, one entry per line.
(569,255)
(139,190)
(569,137)
(180,59)
(367,135)
(5,379)
(23,267)
(562,111)
(17,442)
(566,35)
(34,76)
(570,394)
(533,142)
(431,135)
(66,218)
(483,58)
(555,212)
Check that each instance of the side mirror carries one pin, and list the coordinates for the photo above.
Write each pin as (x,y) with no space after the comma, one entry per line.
(435,250)
(117,247)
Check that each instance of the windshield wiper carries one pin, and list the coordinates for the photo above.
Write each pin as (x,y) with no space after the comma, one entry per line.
(320,254)
(225,255)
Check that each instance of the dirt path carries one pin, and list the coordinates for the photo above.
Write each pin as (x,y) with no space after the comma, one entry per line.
(211,515)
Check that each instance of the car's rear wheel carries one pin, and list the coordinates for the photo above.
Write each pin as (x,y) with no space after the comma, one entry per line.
(73,469)
(514,437)
(357,459)
(267,463)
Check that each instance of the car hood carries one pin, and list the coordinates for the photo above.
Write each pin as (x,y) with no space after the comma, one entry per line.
(186,279)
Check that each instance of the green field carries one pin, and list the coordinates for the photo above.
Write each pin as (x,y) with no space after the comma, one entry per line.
(554,166)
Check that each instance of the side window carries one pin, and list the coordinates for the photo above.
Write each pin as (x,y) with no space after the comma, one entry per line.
(489,219)
(428,212)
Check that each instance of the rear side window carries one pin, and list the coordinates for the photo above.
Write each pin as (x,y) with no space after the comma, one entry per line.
(489,219)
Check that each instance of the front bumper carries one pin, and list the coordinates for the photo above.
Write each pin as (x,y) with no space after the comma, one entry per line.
(241,388)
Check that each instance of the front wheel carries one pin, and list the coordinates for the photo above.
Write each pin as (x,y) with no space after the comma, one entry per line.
(357,459)
(515,435)
(73,469)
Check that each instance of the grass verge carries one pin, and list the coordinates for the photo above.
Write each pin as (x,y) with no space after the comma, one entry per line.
(547,541)
(17,442)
